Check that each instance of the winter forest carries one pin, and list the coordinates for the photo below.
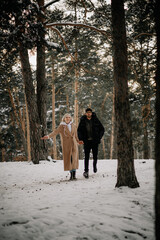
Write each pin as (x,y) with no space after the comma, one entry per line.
(62,56)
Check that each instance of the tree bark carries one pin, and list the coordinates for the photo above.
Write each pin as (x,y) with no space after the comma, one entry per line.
(41,79)
(53,109)
(28,132)
(18,119)
(24,120)
(3,151)
(13,124)
(157,139)
(146,152)
(35,126)
(104,150)
(76,100)
(146,104)
(145,99)
(112,140)
(76,74)
(76,88)
(126,171)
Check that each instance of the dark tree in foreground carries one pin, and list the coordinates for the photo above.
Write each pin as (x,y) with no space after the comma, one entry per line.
(41,78)
(22,29)
(35,128)
(157,141)
(126,171)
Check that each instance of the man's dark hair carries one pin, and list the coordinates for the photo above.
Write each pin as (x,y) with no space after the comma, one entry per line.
(88,110)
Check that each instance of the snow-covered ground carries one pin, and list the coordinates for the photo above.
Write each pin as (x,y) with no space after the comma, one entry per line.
(37,202)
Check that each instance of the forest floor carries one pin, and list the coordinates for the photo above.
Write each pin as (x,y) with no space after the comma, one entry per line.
(38,202)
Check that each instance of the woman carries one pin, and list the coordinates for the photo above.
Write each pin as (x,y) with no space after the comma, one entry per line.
(69,140)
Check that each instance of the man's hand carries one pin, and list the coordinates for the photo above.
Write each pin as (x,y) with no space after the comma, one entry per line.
(45,137)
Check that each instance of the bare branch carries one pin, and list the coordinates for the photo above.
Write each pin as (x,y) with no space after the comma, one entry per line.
(92,4)
(77,25)
(86,70)
(50,3)
(64,86)
(85,13)
(59,34)
(149,34)
(73,60)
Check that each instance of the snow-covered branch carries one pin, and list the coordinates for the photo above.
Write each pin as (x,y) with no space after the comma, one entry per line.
(77,25)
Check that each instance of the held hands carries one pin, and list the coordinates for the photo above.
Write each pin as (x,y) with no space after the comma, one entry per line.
(45,137)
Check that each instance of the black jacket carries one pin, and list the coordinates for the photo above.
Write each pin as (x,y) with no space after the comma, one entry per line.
(97,129)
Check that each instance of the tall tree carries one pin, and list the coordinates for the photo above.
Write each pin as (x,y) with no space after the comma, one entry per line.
(20,28)
(40,73)
(142,60)
(35,128)
(157,140)
(126,171)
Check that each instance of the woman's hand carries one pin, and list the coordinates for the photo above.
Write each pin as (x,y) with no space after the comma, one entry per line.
(45,137)
(81,142)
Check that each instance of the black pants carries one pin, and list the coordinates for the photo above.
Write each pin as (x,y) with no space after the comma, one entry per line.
(87,148)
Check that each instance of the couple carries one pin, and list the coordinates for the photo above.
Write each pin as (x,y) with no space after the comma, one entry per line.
(90,132)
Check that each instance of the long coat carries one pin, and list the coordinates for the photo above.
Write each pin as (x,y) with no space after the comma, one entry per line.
(69,142)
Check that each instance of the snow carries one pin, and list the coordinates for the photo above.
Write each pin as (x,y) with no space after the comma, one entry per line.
(52,44)
(39,202)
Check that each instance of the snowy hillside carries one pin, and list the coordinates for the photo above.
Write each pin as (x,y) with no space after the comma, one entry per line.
(37,202)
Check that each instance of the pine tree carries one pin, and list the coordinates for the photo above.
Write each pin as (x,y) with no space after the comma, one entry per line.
(125,172)
(157,140)
(141,53)
(22,28)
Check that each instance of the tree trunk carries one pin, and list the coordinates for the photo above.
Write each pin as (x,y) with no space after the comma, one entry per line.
(104,150)
(126,171)
(67,102)
(3,152)
(145,142)
(76,72)
(18,119)
(157,140)
(146,105)
(41,80)
(24,120)
(76,90)
(145,118)
(14,129)
(113,127)
(35,126)
(53,109)
(28,133)
(76,101)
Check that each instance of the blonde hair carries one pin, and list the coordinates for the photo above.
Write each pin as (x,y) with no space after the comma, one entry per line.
(65,115)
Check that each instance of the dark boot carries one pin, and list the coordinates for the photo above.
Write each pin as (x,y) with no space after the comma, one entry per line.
(94,168)
(71,176)
(74,175)
(86,175)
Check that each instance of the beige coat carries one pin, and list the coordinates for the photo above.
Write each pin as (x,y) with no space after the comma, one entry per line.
(69,142)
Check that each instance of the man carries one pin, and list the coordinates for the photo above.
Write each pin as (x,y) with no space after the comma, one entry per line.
(90,132)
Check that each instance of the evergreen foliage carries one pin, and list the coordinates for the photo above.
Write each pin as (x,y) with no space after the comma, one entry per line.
(94,64)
